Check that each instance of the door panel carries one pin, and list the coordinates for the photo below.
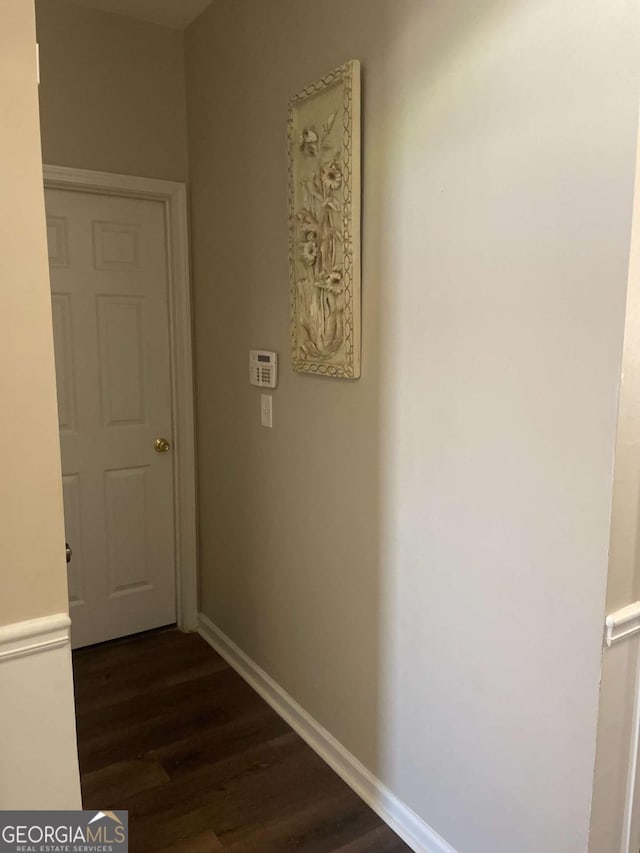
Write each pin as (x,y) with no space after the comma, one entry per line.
(127,501)
(121,336)
(110,313)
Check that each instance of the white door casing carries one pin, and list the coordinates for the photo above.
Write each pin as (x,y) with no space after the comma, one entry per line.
(121,315)
(615,805)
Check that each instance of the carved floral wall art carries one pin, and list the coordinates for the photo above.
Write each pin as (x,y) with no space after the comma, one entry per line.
(324,224)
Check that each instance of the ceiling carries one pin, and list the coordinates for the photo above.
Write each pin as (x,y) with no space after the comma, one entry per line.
(169,13)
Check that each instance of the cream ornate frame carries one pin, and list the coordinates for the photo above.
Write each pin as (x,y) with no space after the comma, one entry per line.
(324,224)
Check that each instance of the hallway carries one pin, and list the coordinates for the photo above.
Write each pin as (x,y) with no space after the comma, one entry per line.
(168,731)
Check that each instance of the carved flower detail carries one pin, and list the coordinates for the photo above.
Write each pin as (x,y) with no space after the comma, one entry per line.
(332,176)
(309,142)
(309,252)
(332,281)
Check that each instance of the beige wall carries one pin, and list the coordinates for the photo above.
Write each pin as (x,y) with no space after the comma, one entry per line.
(112,92)
(31,523)
(420,557)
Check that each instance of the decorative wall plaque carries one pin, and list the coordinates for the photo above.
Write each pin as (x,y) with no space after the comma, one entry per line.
(324,224)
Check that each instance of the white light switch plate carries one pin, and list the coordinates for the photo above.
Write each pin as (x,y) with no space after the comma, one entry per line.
(266,410)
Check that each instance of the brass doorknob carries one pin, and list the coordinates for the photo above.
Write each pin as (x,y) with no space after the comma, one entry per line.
(161,445)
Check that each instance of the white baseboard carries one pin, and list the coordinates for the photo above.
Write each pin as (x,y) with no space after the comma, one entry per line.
(39,766)
(405,822)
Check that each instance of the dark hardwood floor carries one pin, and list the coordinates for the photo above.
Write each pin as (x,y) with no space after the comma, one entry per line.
(167,730)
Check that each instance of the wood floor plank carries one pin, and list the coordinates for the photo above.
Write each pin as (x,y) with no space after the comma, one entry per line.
(157,718)
(168,731)
(118,679)
(379,840)
(122,779)
(204,842)
(246,730)
(326,824)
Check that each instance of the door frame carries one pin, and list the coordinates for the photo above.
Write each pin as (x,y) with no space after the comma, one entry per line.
(173,196)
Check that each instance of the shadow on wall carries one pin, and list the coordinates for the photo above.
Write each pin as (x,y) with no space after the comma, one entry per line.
(395,551)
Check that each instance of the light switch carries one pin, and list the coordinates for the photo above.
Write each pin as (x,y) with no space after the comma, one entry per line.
(266,410)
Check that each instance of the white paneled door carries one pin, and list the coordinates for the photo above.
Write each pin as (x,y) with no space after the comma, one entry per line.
(108,263)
